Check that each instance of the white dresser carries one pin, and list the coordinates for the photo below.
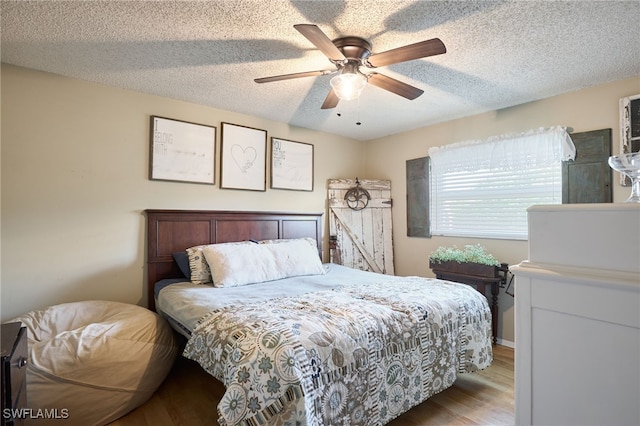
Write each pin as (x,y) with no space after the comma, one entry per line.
(577,307)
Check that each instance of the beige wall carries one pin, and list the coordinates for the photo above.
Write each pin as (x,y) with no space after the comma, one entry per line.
(75,160)
(584,110)
(75,181)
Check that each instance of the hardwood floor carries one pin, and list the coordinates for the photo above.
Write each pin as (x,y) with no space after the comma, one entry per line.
(189,397)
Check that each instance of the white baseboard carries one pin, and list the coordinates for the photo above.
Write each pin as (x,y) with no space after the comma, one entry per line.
(507,343)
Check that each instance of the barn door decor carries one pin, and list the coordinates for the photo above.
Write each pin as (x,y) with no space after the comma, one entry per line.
(360,237)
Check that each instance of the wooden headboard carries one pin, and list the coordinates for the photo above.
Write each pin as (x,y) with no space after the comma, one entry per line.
(170,231)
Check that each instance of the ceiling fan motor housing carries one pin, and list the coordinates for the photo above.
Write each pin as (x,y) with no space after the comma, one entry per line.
(353,48)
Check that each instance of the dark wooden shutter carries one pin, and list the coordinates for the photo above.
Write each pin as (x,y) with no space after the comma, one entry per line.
(418,197)
(588,178)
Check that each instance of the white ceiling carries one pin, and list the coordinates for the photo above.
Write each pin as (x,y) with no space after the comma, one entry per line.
(499,53)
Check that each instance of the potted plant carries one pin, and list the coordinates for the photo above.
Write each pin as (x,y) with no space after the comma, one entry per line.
(470,260)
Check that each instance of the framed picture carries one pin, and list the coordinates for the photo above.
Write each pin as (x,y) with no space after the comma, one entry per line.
(629,129)
(182,151)
(244,158)
(291,165)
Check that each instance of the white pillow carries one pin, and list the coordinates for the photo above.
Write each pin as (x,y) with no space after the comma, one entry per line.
(200,271)
(233,266)
(309,240)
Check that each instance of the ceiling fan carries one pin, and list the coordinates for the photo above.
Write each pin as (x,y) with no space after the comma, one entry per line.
(348,54)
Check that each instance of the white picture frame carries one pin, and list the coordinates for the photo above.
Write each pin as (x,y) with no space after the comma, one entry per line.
(243,158)
(629,129)
(291,165)
(182,151)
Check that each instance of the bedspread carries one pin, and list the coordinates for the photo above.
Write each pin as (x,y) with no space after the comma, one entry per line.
(357,355)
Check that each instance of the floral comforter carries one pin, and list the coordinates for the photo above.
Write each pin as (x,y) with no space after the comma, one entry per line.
(357,355)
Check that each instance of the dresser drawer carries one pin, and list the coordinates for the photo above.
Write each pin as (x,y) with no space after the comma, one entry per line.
(14,370)
(18,367)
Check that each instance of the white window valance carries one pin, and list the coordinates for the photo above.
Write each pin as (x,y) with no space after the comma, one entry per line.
(540,147)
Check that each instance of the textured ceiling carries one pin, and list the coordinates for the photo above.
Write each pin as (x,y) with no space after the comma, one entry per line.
(499,54)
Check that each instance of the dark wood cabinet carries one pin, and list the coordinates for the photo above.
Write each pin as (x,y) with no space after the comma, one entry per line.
(480,277)
(14,371)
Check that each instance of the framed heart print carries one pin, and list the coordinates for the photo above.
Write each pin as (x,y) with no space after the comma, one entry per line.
(243,158)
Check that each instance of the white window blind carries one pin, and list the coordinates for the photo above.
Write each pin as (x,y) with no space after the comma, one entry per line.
(483,188)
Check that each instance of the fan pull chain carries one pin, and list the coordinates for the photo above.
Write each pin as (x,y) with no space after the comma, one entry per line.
(358,122)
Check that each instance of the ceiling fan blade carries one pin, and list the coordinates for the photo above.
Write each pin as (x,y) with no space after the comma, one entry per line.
(407,53)
(331,101)
(294,75)
(395,86)
(320,40)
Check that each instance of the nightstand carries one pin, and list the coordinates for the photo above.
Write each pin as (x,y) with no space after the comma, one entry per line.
(481,283)
(14,370)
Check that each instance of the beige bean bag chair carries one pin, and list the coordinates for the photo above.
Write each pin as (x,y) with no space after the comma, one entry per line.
(96,359)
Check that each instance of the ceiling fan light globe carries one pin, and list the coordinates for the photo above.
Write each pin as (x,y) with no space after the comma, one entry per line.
(348,86)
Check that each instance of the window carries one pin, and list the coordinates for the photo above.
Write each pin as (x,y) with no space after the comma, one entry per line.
(483,188)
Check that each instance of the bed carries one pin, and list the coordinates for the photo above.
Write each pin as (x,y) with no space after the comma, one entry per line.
(320,344)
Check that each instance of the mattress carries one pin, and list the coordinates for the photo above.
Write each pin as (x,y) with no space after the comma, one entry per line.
(183,303)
